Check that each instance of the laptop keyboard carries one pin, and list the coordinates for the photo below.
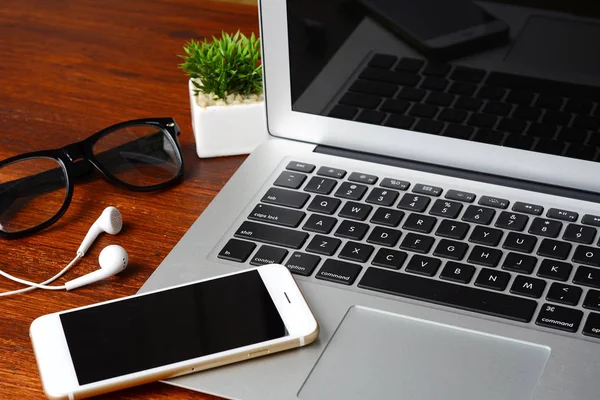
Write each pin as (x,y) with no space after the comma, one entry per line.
(470,251)
(474,104)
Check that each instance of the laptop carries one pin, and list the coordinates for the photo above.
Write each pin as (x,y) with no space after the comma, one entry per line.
(441,217)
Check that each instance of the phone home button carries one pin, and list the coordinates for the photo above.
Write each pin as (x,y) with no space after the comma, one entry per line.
(258,353)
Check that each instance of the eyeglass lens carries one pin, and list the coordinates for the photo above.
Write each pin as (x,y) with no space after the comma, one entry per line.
(139,155)
(32,191)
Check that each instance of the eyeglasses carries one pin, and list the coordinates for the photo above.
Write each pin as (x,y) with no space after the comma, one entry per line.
(36,188)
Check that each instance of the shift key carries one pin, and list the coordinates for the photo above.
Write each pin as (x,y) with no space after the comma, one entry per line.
(271,235)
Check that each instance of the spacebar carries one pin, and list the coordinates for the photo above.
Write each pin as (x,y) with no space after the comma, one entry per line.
(448,294)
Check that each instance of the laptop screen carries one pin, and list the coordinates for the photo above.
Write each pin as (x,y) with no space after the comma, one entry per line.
(516,74)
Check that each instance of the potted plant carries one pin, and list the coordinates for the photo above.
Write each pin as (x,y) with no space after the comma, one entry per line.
(226,96)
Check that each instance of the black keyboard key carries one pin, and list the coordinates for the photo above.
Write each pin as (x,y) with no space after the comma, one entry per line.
(343,112)
(564,294)
(456,272)
(581,152)
(320,185)
(579,234)
(319,224)
(387,217)
(458,131)
(512,125)
(522,82)
(397,77)
(291,180)
(411,93)
(394,184)
(331,172)
(300,167)
(592,300)
(489,136)
(492,279)
(362,178)
(237,250)
(382,197)
(417,243)
(371,117)
(587,277)
(587,255)
(366,101)
(423,111)
(389,258)
(354,210)
(485,256)
(443,293)
(434,83)
(512,221)
(495,202)
(439,99)
(452,115)
(554,249)
(372,87)
(527,208)
(549,102)
(324,205)
(520,242)
(466,74)
(556,270)
(382,61)
(545,227)
(419,223)
(324,245)
(486,236)
(526,286)
(482,120)
(462,88)
(451,249)
(395,106)
(586,122)
(436,69)
(446,208)
(429,126)
(572,135)
(452,229)
(460,196)
(557,317)
(556,118)
(592,325)
(589,219)
(302,263)
(384,236)
(579,106)
(339,271)
(544,131)
(520,97)
(480,215)
(423,265)
(268,255)
(271,235)
(414,202)
(527,113)
(354,251)
(427,189)
(277,215)
(468,103)
(352,230)
(410,64)
(352,191)
(519,141)
(549,146)
(286,198)
(497,108)
(400,121)
(564,215)
(491,92)
(520,263)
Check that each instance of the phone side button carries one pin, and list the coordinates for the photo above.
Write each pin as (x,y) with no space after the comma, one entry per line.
(258,353)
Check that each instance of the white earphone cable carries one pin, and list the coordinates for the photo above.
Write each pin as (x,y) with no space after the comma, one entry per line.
(43,285)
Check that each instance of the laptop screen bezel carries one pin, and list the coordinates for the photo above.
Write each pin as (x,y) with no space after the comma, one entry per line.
(283,122)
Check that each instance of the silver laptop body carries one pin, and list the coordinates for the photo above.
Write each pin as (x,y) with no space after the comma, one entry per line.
(516,317)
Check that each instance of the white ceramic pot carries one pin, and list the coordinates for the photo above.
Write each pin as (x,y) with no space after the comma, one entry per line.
(227,130)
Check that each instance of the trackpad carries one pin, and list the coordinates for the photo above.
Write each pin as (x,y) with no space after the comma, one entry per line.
(378,355)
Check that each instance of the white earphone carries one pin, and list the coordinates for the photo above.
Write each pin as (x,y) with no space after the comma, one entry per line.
(113,259)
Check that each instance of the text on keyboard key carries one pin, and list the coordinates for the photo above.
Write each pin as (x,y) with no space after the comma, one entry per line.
(276,215)
(324,245)
(302,263)
(413,202)
(520,263)
(557,317)
(292,180)
(480,215)
(271,234)
(237,250)
(495,202)
(460,196)
(325,205)
(268,255)
(389,258)
(592,325)
(283,197)
(339,271)
(587,277)
(351,191)
(587,255)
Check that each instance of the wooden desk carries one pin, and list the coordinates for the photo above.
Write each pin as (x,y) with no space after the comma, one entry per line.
(68,69)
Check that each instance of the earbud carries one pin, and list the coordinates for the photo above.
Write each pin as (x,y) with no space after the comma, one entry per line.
(110,221)
(113,259)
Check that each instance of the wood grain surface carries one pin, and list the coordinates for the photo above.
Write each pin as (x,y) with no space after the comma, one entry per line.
(68,69)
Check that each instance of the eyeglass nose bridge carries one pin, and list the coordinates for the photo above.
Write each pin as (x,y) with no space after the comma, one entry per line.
(74,151)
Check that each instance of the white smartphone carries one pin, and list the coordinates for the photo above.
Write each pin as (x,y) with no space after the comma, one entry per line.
(121,343)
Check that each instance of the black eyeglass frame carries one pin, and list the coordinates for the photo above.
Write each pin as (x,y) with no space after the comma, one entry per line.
(72,159)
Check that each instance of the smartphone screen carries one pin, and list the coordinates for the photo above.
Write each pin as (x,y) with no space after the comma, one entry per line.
(166,327)
(429,19)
